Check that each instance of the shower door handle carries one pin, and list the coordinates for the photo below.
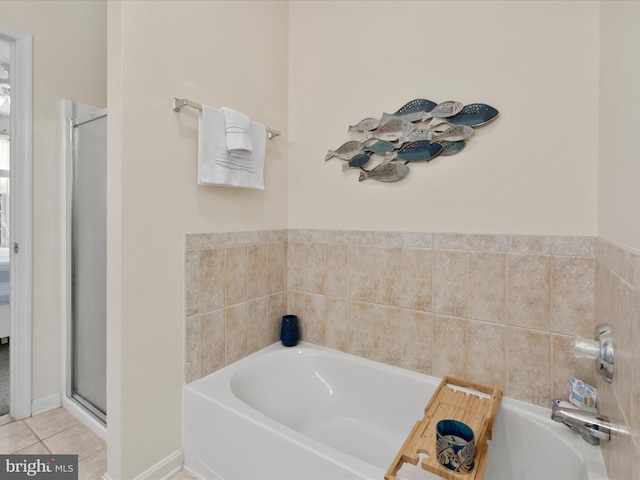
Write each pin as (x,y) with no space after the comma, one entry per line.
(15,247)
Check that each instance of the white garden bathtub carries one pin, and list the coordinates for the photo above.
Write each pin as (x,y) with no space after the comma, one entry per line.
(308,412)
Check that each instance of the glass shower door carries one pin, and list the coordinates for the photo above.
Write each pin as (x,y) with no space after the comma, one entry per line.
(89,264)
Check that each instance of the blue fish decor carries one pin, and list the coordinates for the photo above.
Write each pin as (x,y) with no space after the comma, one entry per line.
(412,111)
(416,151)
(418,131)
(358,161)
(381,146)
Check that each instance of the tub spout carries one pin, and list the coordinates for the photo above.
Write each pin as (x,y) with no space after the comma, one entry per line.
(591,424)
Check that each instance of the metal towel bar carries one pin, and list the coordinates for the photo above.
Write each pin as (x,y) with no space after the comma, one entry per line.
(179,103)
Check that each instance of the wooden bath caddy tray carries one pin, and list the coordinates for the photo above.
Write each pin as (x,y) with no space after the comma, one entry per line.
(477,412)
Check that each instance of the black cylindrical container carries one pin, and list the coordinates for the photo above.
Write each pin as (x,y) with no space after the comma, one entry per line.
(289,331)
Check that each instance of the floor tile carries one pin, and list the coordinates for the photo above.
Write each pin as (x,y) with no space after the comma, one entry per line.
(182,475)
(51,422)
(35,449)
(4,419)
(60,434)
(94,466)
(76,440)
(16,436)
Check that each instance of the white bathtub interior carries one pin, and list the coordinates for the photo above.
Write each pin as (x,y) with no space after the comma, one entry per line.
(310,412)
(332,404)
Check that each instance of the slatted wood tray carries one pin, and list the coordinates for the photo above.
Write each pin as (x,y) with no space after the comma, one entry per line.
(463,405)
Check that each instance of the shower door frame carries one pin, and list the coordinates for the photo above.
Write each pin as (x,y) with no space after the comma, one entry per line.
(76,122)
(72,113)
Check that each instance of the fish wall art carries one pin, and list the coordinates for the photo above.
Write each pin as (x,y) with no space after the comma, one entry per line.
(419,131)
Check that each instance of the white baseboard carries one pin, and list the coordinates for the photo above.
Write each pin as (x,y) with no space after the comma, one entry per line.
(164,469)
(44,404)
(85,418)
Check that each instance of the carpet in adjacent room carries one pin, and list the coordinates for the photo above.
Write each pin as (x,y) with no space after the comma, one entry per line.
(4,378)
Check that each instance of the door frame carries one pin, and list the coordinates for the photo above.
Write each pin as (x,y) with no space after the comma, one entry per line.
(21,260)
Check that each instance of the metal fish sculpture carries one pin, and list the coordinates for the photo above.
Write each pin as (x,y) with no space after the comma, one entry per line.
(474,115)
(392,130)
(385,172)
(435,121)
(451,148)
(422,134)
(453,134)
(359,160)
(411,111)
(416,151)
(365,125)
(444,110)
(381,146)
(346,151)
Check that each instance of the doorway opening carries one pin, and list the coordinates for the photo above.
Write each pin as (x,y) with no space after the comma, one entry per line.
(16,206)
(5,168)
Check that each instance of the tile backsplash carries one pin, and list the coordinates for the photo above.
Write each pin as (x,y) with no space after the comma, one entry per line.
(234,296)
(490,308)
(617,301)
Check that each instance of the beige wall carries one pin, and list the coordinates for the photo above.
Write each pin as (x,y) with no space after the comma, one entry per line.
(218,53)
(533,170)
(619,174)
(69,61)
(310,69)
(617,297)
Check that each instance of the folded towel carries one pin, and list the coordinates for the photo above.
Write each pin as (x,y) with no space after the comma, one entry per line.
(217,165)
(238,129)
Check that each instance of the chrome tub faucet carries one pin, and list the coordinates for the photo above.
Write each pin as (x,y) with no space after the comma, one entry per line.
(592,425)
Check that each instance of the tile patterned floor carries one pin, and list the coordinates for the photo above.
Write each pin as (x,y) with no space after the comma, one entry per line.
(57,431)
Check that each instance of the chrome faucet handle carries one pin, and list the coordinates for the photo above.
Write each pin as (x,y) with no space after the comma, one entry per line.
(600,349)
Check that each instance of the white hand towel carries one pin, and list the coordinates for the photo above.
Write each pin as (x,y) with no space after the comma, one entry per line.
(238,130)
(218,166)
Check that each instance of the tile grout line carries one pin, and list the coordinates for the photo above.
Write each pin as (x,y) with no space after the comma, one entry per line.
(39,440)
(58,431)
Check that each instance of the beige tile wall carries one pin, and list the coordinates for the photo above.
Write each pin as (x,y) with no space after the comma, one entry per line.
(234,296)
(617,301)
(492,308)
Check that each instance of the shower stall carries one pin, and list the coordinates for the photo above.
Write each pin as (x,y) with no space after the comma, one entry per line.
(85,258)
